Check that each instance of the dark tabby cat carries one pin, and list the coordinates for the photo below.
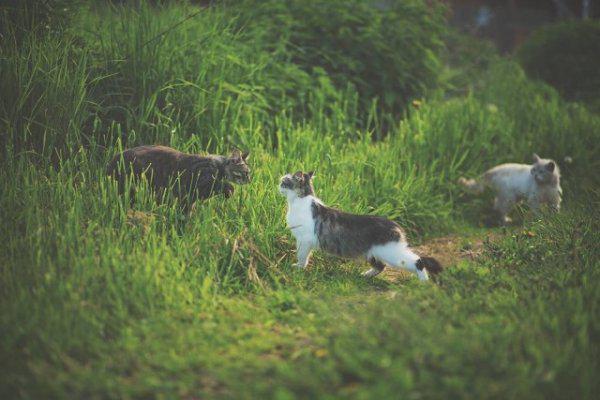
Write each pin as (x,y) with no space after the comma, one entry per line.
(190,177)
(314,225)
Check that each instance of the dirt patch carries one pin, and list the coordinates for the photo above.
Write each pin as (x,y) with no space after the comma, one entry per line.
(448,250)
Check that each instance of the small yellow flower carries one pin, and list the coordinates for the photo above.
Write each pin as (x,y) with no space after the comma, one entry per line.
(320,353)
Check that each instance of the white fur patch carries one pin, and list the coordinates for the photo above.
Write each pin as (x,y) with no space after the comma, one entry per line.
(395,254)
(513,182)
(513,179)
(300,218)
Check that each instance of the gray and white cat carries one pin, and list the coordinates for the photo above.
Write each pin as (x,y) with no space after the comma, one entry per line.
(538,184)
(316,226)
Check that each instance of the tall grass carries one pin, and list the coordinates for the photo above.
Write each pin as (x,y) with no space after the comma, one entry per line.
(97,300)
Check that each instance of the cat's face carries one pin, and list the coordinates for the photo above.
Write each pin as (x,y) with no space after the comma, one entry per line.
(297,185)
(544,170)
(236,169)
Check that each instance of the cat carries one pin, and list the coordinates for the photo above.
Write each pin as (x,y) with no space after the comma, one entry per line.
(538,184)
(190,177)
(315,225)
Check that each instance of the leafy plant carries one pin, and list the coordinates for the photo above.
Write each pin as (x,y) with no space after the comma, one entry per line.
(387,50)
(565,55)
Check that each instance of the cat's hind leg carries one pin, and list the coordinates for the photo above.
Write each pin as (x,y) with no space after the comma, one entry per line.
(376,268)
(502,206)
(551,203)
(303,250)
(399,256)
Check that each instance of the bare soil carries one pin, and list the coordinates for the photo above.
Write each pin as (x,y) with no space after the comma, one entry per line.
(448,250)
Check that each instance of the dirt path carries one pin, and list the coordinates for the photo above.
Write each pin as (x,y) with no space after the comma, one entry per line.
(449,250)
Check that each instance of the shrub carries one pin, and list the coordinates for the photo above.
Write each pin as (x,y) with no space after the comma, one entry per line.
(565,55)
(388,51)
(36,16)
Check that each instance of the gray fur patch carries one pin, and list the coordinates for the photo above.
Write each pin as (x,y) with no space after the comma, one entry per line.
(300,182)
(189,177)
(349,235)
(376,264)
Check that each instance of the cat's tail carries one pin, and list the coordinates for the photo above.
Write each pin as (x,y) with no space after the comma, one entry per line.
(471,185)
(430,264)
(399,255)
(111,168)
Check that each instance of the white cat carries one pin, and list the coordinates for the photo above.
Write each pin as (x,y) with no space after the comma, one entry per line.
(538,184)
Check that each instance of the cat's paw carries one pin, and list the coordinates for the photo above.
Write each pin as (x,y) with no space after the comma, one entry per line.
(371,273)
(228,191)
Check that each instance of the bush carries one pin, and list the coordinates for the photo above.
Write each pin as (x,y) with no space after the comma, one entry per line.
(33,16)
(565,55)
(230,63)
(109,73)
(388,51)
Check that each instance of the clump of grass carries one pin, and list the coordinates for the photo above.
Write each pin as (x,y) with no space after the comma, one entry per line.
(100,300)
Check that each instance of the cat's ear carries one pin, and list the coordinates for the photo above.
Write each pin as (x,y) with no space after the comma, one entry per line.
(550,166)
(310,175)
(536,158)
(245,155)
(236,154)
(299,175)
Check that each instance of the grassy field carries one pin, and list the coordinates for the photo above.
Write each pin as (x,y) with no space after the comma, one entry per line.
(101,301)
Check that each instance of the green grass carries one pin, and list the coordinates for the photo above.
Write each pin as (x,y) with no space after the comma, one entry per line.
(95,303)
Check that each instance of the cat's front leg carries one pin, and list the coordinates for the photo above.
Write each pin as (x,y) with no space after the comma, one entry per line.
(538,207)
(224,188)
(554,202)
(502,206)
(537,204)
(303,250)
(227,189)
(376,268)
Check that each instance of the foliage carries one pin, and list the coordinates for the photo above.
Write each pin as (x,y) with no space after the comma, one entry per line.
(42,17)
(225,61)
(565,55)
(114,74)
(389,51)
(122,307)
(98,300)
